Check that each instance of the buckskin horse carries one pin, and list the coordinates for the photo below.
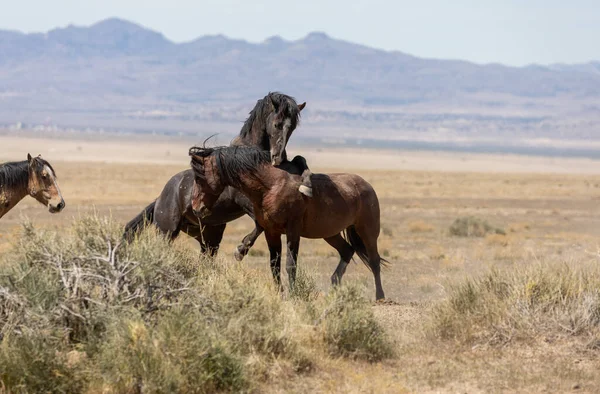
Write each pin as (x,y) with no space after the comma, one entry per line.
(340,203)
(269,126)
(34,177)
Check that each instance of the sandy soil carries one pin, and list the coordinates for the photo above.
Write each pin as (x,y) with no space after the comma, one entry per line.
(161,150)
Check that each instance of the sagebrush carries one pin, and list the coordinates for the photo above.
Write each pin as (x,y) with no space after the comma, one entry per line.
(471,226)
(81,310)
(524,303)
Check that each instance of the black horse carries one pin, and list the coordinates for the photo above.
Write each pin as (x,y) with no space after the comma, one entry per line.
(269,127)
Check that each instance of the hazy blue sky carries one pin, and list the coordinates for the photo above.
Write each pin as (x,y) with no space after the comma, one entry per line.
(515,32)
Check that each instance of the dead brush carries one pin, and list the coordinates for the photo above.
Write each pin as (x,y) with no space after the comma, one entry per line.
(78,278)
(537,301)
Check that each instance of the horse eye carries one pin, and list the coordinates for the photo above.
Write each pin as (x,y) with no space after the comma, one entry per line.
(44,176)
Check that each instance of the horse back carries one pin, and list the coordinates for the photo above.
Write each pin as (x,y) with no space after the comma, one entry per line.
(339,200)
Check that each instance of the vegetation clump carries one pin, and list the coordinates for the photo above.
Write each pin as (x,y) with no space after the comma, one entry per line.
(82,310)
(350,327)
(545,300)
(471,226)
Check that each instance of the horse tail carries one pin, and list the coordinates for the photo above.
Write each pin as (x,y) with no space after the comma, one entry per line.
(359,247)
(139,222)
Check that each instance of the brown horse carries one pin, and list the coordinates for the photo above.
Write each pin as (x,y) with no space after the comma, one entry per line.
(35,177)
(340,203)
(269,126)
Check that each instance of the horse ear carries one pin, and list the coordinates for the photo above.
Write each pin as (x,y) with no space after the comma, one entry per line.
(28,158)
(273,103)
(301,106)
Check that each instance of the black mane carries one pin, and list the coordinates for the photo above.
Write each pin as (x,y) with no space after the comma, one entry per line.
(231,161)
(282,103)
(14,174)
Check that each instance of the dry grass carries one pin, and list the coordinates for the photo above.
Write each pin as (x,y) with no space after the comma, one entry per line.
(497,239)
(521,304)
(419,226)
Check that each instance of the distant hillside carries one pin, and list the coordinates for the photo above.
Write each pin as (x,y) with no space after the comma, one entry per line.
(121,75)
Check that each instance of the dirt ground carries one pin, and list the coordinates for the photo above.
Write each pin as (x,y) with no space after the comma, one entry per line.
(548,207)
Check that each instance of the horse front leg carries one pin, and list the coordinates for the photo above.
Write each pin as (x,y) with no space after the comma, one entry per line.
(274,244)
(245,205)
(210,239)
(293,245)
(247,243)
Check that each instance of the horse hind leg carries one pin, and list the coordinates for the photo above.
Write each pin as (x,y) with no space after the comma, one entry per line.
(375,263)
(167,219)
(346,253)
(364,241)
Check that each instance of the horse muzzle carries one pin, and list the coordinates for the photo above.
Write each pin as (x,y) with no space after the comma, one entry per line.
(56,208)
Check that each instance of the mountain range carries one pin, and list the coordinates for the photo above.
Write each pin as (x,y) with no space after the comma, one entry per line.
(116,74)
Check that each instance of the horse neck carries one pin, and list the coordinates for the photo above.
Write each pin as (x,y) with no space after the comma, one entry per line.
(254,186)
(11,195)
(259,140)
(256,136)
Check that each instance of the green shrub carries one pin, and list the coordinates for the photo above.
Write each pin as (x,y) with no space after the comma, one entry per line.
(38,362)
(350,328)
(305,288)
(470,226)
(178,354)
(523,303)
(81,310)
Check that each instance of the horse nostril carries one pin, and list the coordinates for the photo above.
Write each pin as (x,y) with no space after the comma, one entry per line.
(61,205)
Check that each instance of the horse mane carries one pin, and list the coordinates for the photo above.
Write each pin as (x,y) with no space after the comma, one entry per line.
(284,105)
(232,161)
(14,174)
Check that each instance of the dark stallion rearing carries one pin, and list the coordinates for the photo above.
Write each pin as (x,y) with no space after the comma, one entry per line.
(34,177)
(340,203)
(269,127)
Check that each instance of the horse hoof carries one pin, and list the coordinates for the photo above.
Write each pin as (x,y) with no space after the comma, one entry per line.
(238,255)
(307,191)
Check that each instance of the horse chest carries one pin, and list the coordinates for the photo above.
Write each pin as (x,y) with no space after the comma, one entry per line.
(275,215)
(270,219)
